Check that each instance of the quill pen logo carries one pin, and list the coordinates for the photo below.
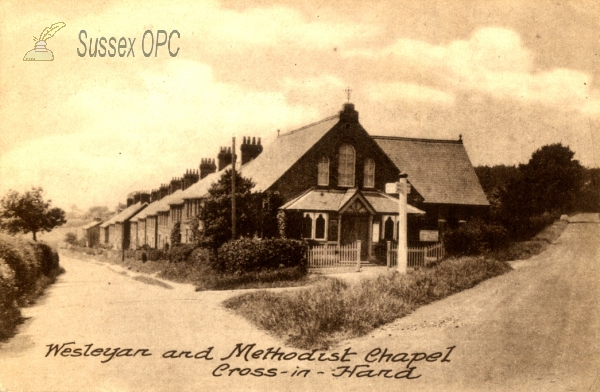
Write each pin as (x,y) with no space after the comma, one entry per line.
(40,53)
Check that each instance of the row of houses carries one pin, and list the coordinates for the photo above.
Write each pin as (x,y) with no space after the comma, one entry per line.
(330,180)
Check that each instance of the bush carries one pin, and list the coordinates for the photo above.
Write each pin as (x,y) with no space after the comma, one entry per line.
(71,238)
(475,237)
(249,255)
(180,253)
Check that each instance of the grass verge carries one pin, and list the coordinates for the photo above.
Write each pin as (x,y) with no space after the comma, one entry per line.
(523,250)
(324,314)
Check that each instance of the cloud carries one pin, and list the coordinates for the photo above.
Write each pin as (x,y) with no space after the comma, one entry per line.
(140,138)
(493,61)
(408,92)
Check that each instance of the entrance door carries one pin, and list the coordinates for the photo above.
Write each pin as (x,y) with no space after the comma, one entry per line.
(356,227)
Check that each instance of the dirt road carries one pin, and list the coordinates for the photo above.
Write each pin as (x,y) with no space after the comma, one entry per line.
(536,328)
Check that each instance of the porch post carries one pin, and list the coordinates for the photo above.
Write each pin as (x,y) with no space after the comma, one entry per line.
(402,232)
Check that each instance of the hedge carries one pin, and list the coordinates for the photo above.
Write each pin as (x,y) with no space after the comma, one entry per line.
(25,270)
(249,255)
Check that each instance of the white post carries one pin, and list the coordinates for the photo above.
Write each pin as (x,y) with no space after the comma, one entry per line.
(402,233)
(358,256)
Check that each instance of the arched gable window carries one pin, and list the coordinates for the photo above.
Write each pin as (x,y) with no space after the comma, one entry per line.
(369,180)
(323,169)
(346,166)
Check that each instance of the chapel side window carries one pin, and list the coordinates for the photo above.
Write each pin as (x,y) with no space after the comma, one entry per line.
(346,166)
(307,223)
(323,171)
(369,181)
(320,227)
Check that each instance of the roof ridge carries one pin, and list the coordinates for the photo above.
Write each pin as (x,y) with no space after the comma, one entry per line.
(309,125)
(415,139)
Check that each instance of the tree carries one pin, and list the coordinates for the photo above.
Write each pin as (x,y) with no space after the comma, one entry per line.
(547,185)
(29,213)
(216,213)
(100,213)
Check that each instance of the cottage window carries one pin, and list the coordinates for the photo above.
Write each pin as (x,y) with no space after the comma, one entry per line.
(346,166)
(369,181)
(323,169)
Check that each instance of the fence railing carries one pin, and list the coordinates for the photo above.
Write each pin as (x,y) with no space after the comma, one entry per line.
(334,256)
(418,256)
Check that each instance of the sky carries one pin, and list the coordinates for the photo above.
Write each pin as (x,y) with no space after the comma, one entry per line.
(508,76)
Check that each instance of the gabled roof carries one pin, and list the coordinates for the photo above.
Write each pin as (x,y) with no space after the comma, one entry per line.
(92,224)
(126,214)
(336,200)
(284,152)
(440,170)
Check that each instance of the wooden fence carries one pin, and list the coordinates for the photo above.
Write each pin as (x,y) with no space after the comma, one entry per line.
(417,257)
(344,257)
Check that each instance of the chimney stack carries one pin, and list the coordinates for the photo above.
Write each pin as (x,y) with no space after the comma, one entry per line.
(225,157)
(190,177)
(250,149)
(144,197)
(136,197)
(129,199)
(207,166)
(175,185)
(163,191)
(154,195)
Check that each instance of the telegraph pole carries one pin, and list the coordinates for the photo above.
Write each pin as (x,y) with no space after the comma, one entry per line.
(402,232)
(233,222)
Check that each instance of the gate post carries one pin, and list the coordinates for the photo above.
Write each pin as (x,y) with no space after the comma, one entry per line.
(402,232)
(388,254)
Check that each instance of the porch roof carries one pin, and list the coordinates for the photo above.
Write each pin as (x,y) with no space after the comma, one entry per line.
(335,200)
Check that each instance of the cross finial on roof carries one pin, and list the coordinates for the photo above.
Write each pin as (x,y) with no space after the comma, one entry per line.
(348,91)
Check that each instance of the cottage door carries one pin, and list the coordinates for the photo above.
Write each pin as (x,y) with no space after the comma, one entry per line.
(356,227)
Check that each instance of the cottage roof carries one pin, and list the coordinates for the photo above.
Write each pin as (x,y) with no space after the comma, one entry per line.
(173,199)
(440,170)
(154,208)
(200,189)
(286,150)
(91,224)
(336,200)
(126,214)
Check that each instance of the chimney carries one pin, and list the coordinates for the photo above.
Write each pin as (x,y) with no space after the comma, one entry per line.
(225,157)
(349,114)
(250,149)
(163,191)
(129,199)
(207,166)
(136,197)
(190,177)
(175,185)
(145,197)
(154,195)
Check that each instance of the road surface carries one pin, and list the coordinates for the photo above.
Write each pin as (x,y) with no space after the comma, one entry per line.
(536,328)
